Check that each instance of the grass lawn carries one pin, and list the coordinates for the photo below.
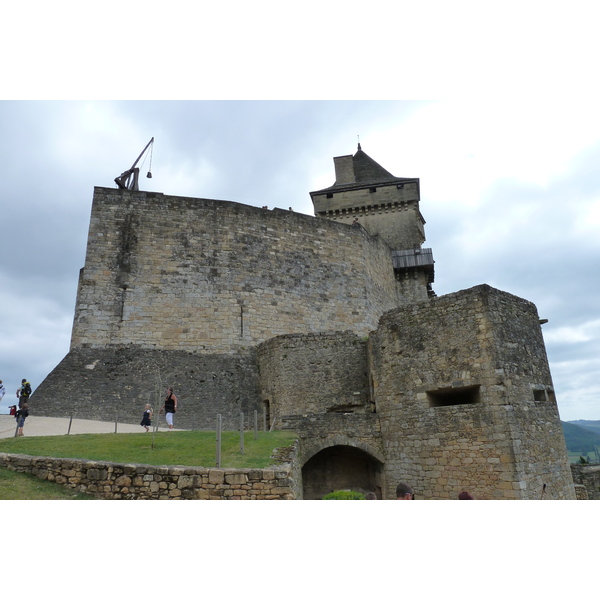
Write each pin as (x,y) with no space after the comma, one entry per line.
(574,457)
(188,448)
(22,486)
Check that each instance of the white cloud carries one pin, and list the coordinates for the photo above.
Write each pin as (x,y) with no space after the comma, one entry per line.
(584,332)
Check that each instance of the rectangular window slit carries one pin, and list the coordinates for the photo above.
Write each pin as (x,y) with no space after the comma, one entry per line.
(453,396)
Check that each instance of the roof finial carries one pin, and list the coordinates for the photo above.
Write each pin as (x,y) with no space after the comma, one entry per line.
(358,136)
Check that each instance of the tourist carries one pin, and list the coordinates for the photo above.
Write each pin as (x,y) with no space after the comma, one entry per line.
(20,416)
(170,407)
(24,392)
(147,418)
(465,496)
(404,492)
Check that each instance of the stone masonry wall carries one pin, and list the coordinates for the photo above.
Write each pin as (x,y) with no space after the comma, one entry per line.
(183,289)
(113,481)
(525,390)
(211,276)
(389,212)
(453,385)
(314,374)
(92,383)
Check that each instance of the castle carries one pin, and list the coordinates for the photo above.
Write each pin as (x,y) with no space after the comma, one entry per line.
(326,325)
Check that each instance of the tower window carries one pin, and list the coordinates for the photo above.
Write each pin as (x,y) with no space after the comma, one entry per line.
(543,393)
(371,190)
(400,186)
(451,396)
(330,195)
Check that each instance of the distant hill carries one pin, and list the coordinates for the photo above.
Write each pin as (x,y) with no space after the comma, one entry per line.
(591,425)
(582,440)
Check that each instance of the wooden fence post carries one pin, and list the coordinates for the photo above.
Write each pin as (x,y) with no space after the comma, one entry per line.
(242,433)
(219,425)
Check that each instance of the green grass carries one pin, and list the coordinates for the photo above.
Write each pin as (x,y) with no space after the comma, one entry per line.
(574,457)
(188,448)
(22,486)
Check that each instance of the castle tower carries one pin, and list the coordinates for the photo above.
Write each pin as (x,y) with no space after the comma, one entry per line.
(365,194)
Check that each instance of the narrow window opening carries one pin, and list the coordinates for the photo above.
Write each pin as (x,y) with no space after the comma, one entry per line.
(372,190)
(453,396)
(330,195)
(544,394)
(373,405)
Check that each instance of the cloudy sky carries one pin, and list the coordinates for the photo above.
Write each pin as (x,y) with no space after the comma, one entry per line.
(509,169)
(510,192)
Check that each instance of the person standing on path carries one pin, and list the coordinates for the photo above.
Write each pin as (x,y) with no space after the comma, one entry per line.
(24,392)
(20,416)
(170,407)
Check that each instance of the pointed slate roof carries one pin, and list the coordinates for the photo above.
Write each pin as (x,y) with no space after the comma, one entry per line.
(366,172)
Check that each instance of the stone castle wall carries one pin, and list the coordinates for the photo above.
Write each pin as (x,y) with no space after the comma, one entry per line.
(94,383)
(454,384)
(315,373)
(179,291)
(218,277)
(447,395)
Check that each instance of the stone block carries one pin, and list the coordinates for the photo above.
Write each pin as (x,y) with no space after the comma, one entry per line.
(123,481)
(236,478)
(216,476)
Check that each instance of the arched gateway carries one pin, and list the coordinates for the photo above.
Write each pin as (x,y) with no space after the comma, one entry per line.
(341,467)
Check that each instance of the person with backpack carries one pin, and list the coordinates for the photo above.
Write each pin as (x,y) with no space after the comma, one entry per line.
(24,392)
(170,407)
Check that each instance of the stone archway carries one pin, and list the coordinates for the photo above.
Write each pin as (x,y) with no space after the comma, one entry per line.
(341,467)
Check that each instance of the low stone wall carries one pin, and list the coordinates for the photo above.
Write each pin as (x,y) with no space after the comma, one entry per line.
(114,481)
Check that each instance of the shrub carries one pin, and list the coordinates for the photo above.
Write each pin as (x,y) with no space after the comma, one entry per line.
(344,495)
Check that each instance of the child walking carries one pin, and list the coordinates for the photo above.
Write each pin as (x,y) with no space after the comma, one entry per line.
(147,418)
